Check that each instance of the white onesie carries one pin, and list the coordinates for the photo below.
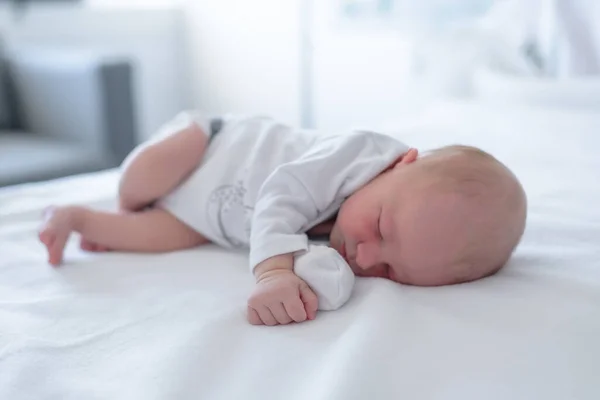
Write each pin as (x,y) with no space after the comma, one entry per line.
(263,184)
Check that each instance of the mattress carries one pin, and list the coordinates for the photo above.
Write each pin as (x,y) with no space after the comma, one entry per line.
(172,326)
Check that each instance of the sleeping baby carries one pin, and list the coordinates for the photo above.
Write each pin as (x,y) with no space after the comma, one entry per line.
(451,215)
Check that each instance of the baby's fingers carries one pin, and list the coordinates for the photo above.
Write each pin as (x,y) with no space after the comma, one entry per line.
(280,314)
(261,317)
(295,309)
(310,300)
(266,316)
(253,316)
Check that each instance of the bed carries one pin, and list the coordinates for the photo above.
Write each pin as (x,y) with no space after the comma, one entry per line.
(171,326)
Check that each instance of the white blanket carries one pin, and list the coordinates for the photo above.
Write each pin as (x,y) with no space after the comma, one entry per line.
(130,326)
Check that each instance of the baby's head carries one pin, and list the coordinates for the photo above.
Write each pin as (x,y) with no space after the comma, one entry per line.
(452,215)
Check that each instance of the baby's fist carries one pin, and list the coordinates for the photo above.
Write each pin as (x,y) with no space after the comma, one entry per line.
(281,297)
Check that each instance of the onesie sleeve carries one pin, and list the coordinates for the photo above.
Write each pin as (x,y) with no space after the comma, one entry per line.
(296,193)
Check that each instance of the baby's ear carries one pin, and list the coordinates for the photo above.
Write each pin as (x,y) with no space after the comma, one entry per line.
(407,158)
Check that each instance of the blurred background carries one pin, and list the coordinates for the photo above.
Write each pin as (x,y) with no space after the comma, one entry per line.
(83,81)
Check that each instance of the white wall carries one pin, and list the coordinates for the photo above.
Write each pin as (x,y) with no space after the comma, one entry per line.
(242,56)
(246,56)
(361,73)
(153,38)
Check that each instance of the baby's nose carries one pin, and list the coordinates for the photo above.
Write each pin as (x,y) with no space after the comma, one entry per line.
(366,255)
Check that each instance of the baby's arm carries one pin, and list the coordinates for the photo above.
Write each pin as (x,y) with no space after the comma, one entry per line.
(300,192)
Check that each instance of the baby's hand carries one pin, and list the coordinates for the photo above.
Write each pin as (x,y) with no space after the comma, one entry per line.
(281,297)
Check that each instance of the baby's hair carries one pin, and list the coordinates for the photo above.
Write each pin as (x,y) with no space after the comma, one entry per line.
(496,201)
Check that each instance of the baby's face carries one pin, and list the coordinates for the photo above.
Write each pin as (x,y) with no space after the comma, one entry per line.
(392,229)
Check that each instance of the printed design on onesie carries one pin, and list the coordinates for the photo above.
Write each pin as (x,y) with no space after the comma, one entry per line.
(227,214)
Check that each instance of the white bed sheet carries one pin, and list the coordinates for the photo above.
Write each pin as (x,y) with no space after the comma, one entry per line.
(125,326)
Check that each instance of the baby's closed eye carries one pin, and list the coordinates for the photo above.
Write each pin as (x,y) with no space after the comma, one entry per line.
(378,229)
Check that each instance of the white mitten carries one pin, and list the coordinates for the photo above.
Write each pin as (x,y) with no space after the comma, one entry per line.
(327,274)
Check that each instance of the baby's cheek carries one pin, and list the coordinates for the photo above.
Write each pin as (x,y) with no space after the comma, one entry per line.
(339,228)
(349,221)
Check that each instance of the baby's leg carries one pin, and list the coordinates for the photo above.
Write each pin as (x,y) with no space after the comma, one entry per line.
(154,230)
(153,170)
